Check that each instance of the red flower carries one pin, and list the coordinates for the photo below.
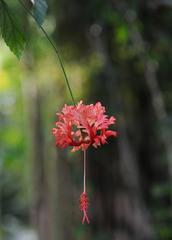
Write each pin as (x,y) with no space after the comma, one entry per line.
(83,125)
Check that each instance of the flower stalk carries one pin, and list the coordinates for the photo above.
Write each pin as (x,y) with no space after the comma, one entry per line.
(54,47)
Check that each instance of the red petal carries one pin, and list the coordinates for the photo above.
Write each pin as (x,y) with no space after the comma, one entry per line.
(109,133)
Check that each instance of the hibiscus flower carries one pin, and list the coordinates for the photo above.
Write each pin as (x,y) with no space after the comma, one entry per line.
(83,125)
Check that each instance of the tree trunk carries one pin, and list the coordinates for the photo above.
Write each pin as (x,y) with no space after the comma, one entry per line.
(120,210)
(40,209)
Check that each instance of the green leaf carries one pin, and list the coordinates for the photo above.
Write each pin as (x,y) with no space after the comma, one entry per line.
(10,30)
(39,10)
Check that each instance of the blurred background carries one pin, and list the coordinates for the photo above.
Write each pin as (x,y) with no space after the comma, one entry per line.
(116,52)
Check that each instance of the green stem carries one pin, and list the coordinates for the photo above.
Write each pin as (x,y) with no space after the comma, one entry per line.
(54,47)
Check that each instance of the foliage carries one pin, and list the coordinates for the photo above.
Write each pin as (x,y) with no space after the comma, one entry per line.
(11,30)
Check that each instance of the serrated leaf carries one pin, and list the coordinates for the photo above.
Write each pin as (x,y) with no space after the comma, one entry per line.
(10,30)
(39,10)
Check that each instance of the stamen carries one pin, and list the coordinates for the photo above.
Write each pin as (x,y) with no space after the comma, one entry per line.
(84,207)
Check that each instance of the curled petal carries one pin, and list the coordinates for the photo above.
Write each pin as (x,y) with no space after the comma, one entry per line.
(109,133)
(112,120)
(54,131)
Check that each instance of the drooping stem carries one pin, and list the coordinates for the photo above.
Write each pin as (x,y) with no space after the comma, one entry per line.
(53,46)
